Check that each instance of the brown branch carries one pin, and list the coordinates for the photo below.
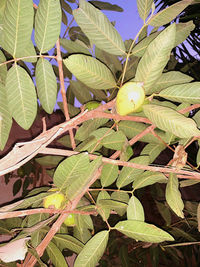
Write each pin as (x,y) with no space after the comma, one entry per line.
(63,93)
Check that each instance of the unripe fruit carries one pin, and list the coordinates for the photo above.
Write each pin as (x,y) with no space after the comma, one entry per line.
(129,98)
(70,220)
(140,109)
(54,201)
(92,105)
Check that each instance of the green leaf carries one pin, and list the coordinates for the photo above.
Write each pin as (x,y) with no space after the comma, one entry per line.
(188,93)
(103,211)
(106,6)
(88,127)
(164,212)
(90,71)
(17,186)
(93,250)
(46,84)
(153,151)
(68,242)
(168,79)
(28,52)
(142,231)
(155,58)
(49,161)
(144,7)
(80,91)
(90,145)
(149,178)
(47,24)
(3,68)
(55,255)
(128,174)
(173,195)
(140,48)
(5,118)
(119,207)
(171,121)
(109,174)
(18,25)
(168,14)
(132,128)
(22,100)
(70,170)
(114,141)
(124,256)
(74,47)
(135,210)
(183,30)
(98,28)
(120,196)
(82,182)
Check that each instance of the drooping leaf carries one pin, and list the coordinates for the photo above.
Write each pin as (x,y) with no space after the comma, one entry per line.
(164,212)
(47,24)
(106,6)
(98,28)
(142,231)
(80,91)
(5,117)
(68,242)
(83,181)
(28,54)
(173,195)
(168,79)
(171,121)
(18,25)
(155,58)
(168,14)
(82,234)
(183,30)
(70,170)
(109,174)
(144,7)
(128,174)
(188,92)
(55,255)
(153,151)
(74,47)
(93,250)
(135,210)
(118,206)
(3,68)
(46,84)
(149,178)
(103,211)
(21,95)
(90,71)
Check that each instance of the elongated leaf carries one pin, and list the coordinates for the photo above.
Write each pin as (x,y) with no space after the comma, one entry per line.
(153,151)
(18,25)
(114,141)
(135,210)
(106,6)
(80,91)
(109,174)
(74,47)
(164,212)
(5,117)
(98,28)
(142,231)
(120,196)
(68,242)
(128,174)
(168,14)
(168,79)
(144,7)
(83,181)
(3,68)
(22,100)
(183,30)
(46,84)
(173,195)
(55,255)
(47,24)
(70,169)
(93,250)
(90,71)
(149,178)
(49,161)
(90,144)
(171,121)
(156,57)
(188,92)
(119,207)
(103,211)
(28,54)
(140,47)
